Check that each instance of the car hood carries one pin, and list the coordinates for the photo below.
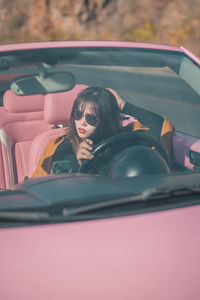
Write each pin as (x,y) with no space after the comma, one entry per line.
(146,256)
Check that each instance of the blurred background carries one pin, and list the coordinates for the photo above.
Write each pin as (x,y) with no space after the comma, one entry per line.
(172,22)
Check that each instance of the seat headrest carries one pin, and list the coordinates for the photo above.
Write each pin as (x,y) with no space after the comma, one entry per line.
(58,106)
(18,104)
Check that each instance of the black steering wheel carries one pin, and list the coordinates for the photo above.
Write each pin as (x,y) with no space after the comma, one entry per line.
(118,143)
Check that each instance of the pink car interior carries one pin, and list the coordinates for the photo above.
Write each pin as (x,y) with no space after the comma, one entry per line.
(28,123)
(21,120)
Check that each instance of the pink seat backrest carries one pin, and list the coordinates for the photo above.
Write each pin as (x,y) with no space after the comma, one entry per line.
(57,111)
(21,119)
(58,107)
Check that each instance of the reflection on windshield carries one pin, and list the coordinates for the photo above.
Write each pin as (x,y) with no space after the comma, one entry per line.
(161,81)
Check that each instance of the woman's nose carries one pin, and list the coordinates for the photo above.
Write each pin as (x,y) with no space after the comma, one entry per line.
(83,121)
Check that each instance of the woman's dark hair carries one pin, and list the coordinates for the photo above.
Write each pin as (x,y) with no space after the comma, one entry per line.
(104,105)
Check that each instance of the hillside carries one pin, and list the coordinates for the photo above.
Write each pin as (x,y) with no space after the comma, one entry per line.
(174,22)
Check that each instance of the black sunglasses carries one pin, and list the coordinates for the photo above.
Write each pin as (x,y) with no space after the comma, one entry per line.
(90,119)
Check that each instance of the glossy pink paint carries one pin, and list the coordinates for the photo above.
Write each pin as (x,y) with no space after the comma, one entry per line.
(190,54)
(54,44)
(149,256)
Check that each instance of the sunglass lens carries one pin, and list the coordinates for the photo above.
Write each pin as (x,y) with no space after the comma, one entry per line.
(91,119)
(77,114)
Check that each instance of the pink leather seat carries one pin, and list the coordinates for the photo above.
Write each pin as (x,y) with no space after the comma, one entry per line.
(57,111)
(21,120)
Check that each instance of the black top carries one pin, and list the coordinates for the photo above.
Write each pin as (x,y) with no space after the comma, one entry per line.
(64,159)
(153,121)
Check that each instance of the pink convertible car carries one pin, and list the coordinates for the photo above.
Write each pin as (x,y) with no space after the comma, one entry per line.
(126,229)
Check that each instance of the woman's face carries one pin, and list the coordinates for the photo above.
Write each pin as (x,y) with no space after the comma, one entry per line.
(85,122)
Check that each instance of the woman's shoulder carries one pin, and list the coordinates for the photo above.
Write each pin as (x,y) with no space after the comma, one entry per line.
(53,144)
(63,143)
(59,139)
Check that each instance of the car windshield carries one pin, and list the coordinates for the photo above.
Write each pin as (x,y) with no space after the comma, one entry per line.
(157,79)
(165,82)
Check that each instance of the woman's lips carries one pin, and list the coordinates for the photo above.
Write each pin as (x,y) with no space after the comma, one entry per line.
(81,130)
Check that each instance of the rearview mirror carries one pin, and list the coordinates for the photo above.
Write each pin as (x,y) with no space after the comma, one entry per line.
(38,84)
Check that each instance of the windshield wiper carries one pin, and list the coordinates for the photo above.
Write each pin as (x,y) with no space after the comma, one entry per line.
(23,216)
(147,195)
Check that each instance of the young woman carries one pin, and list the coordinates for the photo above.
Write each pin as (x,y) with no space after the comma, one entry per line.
(96,115)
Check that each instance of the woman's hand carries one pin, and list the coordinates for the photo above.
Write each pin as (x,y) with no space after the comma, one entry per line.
(120,101)
(84,150)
